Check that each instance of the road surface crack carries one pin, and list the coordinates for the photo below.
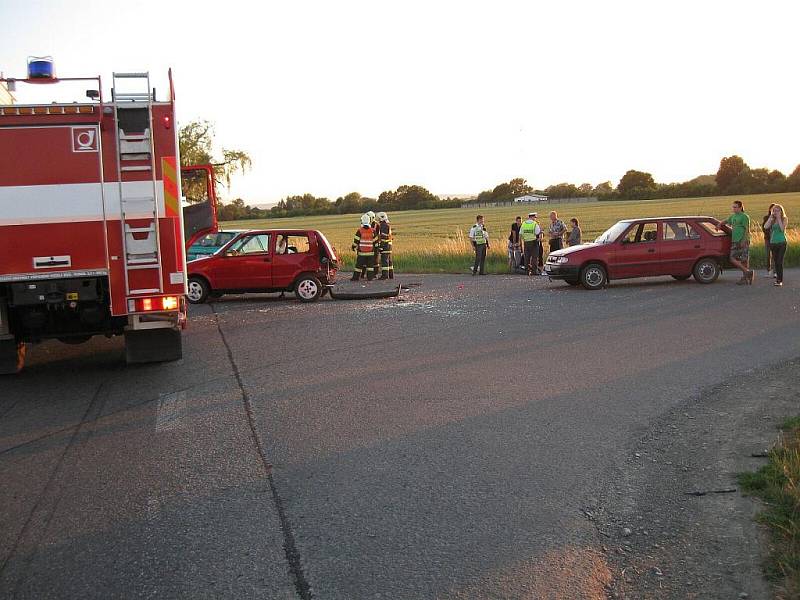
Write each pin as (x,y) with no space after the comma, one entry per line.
(289,545)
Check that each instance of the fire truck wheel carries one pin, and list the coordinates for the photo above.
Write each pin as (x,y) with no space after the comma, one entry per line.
(198,290)
(12,357)
(153,345)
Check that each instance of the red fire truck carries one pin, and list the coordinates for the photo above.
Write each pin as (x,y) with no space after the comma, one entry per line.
(92,231)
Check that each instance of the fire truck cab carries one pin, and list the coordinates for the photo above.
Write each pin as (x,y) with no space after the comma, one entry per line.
(92,231)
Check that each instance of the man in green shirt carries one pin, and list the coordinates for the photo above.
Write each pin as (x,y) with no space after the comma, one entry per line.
(739,222)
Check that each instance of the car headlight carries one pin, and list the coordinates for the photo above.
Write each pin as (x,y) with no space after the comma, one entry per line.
(561,259)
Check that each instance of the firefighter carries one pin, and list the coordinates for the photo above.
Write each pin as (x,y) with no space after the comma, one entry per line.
(376,230)
(385,238)
(364,245)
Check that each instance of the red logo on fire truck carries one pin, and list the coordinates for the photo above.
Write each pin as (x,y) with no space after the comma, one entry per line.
(84,139)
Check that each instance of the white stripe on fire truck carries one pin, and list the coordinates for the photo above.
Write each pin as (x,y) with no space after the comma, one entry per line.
(28,204)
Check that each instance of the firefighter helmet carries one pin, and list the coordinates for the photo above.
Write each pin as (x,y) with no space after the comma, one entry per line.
(371,215)
(365,220)
(382,216)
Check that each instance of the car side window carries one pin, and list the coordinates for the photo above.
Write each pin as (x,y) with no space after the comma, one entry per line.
(251,244)
(297,244)
(643,232)
(679,230)
(712,229)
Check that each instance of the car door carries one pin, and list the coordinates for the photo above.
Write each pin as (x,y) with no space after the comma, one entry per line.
(681,246)
(637,252)
(292,256)
(245,265)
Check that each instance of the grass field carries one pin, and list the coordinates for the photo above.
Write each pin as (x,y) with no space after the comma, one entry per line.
(435,241)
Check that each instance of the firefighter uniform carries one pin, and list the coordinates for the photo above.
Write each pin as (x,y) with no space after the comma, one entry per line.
(364,243)
(385,239)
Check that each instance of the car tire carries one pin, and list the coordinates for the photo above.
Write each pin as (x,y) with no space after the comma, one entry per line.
(706,270)
(198,290)
(681,277)
(308,288)
(573,281)
(593,276)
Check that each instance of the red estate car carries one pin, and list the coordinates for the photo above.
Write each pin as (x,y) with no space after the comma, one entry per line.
(266,260)
(676,246)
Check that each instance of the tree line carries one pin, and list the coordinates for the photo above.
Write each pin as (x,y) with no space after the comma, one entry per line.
(734,177)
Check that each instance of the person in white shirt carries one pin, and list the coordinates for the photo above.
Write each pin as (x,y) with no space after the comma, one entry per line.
(479,238)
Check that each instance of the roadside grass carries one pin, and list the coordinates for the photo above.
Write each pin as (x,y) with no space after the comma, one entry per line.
(778,484)
(435,241)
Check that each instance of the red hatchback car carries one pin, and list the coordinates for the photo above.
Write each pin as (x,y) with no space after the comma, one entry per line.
(266,260)
(678,246)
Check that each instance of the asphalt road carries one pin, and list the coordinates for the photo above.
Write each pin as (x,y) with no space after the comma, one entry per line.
(442,446)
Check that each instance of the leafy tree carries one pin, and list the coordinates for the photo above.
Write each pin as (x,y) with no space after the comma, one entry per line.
(636,183)
(793,180)
(562,190)
(196,145)
(408,197)
(730,169)
(502,193)
(603,189)
(585,189)
(519,187)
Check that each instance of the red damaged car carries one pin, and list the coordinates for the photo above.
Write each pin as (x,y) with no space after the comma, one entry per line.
(267,260)
(681,247)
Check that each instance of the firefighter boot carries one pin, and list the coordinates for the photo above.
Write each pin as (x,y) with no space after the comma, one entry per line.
(356,275)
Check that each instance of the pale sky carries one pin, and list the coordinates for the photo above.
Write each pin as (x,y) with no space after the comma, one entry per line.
(335,96)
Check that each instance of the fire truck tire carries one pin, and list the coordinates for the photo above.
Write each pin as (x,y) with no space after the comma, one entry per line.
(12,357)
(153,345)
(198,290)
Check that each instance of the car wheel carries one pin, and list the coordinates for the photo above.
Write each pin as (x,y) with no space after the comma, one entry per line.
(681,277)
(706,270)
(308,288)
(593,276)
(198,290)
(573,281)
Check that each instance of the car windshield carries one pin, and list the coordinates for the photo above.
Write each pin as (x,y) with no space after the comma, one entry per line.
(612,233)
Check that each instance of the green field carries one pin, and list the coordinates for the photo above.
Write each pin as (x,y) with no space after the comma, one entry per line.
(435,241)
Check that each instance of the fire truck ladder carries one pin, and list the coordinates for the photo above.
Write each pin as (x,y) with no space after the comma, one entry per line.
(138,199)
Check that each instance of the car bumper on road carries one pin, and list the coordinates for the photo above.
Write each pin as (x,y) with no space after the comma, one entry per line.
(561,271)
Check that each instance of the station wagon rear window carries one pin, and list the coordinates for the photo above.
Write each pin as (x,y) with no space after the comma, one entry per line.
(712,228)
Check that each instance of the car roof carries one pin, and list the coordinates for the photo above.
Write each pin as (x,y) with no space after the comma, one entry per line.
(289,231)
(678,218)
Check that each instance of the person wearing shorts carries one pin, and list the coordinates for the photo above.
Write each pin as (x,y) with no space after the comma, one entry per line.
(739,222)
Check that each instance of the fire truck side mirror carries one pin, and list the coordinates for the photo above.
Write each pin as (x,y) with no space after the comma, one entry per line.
(93,94)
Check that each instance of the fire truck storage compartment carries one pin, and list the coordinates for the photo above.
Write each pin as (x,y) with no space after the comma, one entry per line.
(66,309)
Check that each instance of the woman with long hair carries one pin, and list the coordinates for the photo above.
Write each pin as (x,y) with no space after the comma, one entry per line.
(777,224)
(765,229)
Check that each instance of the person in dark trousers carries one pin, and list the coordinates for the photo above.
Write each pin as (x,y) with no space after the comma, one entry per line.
(575,233)
(777,224)
(767,245)
(364,245)
(530,233)
(515,245)
(479,238)
(556,232)
(385,240)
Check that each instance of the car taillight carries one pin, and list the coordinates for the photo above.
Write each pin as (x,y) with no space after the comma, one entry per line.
(158,304)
